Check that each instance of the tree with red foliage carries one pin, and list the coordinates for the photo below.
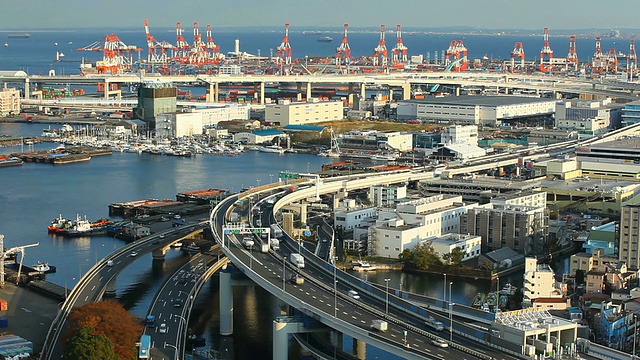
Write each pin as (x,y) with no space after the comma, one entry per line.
(110,319)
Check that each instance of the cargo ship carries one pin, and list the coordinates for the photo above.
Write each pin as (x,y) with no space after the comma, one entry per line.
(19,36)
(11,161)
(325,39)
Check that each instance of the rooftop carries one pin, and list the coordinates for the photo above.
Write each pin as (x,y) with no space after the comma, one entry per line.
(470,100)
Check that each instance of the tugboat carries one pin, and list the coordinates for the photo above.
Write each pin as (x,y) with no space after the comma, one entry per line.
(44,268)
(478,301)
(82,227)
(57,224)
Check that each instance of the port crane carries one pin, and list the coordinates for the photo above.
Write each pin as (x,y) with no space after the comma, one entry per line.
(284,51)
(546,52)
(343,52)
(213,50)
(117,57)
(572,56)
(517,52)
(182,48)
(632,60)
(400,50)
(158,51)
(380,50)
(457,51)
(13,250)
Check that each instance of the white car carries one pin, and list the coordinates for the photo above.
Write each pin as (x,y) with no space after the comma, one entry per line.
(354,294)
(163,328)
(133,254)
(439,343)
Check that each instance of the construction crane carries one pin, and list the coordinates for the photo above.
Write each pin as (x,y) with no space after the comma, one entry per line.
(13,250)
(400,50)
(380,50)
(517,52)
(284,51)
(546,54)
(572,56)
(117,57)
(343,52)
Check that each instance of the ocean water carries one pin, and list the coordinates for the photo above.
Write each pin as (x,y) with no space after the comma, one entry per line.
(37,55)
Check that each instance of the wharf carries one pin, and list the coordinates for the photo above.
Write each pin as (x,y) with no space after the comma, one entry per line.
(49,289)
(69,156)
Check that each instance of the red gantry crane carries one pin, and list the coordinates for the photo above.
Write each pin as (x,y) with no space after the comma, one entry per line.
(343,52)
(400,50)
(284,50)
(213,50)
(572,56)
(546,54)
(117,57)
(380,50)
(598,63)
(158,51)
(456,57)
(517,52)
(198,53)
(182,48)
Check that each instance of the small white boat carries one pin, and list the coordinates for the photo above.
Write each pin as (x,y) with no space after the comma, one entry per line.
(364,266)
(275,149)
(176,245)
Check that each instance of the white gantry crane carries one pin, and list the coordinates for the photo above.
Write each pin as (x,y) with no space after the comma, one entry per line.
(13,250)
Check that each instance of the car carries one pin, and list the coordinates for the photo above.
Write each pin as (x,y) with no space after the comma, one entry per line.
(133,254)
(109,262)
(439,343)
(162,236)
(176,216)
(354,294)
(162,328)
(177,303)
(164,218)
(324,240)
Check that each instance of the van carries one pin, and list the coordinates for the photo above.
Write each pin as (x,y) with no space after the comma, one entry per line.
(353,294)
(109,262)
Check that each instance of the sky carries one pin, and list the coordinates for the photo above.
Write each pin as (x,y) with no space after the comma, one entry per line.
(484,14)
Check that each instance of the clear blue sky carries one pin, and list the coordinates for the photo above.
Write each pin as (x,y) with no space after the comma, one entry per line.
(491,14)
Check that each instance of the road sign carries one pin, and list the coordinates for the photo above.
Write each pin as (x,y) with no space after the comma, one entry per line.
(307,233)
(288,175)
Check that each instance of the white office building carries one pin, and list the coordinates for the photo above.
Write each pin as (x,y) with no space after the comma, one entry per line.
(349,215)
(445,244)
(302,113)
(457,134)
(178,124)
(539,282)
(385,196)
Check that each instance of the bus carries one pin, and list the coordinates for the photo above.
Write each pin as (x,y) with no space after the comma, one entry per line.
(145,347)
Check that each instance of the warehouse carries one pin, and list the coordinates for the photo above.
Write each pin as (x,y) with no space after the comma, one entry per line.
(478,110)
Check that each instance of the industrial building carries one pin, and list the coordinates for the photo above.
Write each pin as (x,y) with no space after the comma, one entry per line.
(300,113)
(9,101)
(362,141)
(588,118)
(457,134)
(178,124)
(477,110)
(617,159)
(212,114)
(631,113)
(155,98)
(478,188)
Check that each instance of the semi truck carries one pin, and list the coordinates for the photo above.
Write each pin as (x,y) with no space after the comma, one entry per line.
(379,325)
(434,324)
(298,260)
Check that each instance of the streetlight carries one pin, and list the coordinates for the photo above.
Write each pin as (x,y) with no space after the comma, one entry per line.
(387,304)
(66,289)
(284,274)
(635,334)
(270,178)
(450,314)
(173,346)
(258,180)
(335,289)
(250,257)
(444,292)
(308,163)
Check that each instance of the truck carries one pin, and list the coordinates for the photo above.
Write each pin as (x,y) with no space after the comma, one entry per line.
(297,279)
(276,232)
(434,324)
(275,244)
(379,325)
(298,260)
(247,242)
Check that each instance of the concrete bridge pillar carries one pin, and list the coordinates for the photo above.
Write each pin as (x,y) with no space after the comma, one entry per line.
(158,254)
(308,90)
(262,93)
(281,330)
(406,92)
(226,304)
(360,349)
(363,91)
(390,95)
(27,88)
(457,90)
(110,290)
(337,339)
(106,89)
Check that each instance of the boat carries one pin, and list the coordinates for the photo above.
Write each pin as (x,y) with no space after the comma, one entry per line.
(384,157)
(478,301)
(492,299)
(363,266)
(82,227)
(274,149)
(44,268)
(12,161)
(325,39)
(192,248)
(508,289)
(503,301)
(19,36)
(58,224)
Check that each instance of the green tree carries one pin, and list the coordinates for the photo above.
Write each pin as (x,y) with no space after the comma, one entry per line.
(87,345)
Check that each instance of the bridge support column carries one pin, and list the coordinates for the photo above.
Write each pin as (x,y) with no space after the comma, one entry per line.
(360,349)
(216,92)
(337,339)
(406,92)
(27,89)
(390,95)
(457,90)
(106,89)
(158,254)
(262,93)
(226,304)
(303,212)
(308,90)
(281,330)
(110,290)
(363,91)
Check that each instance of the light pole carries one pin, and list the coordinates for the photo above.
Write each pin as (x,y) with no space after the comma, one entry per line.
(444,292)
(250,257)
(173,346)
(450,314)
(308,163)
(66,289)
(284,274)
(635,334)
(258,180)
(387,302)
(335,290)
(270,178)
